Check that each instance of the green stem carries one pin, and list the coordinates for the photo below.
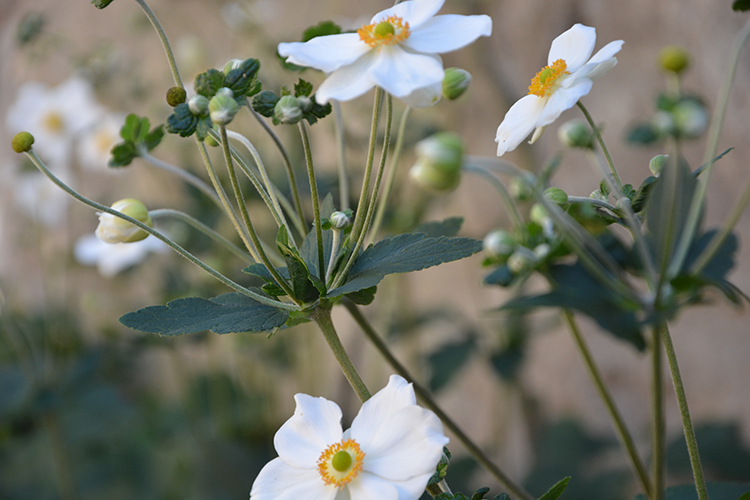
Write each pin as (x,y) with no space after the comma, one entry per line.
(177,248)
(622,430)
(510,204)
(335,244)
(164,41)
(687,424)
(185,176)
(361,212)
(315,200)
(195,223)
(338,124)
(592,201)
(514,489)
(658,424)
(602,145)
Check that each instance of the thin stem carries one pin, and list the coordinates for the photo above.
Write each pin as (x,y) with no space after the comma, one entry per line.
(687,424)
(177,248)
(185,176)
(335,243)
(391,178)
(626,440)
(361,212)
(315,200)
(592,201)
(515,490)
(714,132)
(602,145)
(322,317)
(164,41)
(168,212)
(658,424)
(338,124)
(510,204)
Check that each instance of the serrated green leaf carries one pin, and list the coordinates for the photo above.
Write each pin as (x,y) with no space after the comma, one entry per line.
(273,290)
(643,134)
(265,102)
(122,154)
(447,361)
(480,493)
(203,127)
(182,121)
(317,111)
(741,5)
(403,254)
(716,491)
(557,490)
(154,138)
(363,297)
(449,227)
(323,28)
(303,88)
(207,83)
(227,313)
(242,81)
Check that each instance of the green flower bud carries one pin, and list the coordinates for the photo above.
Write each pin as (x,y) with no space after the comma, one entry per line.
(426,176)
(21,142)
(198,105)
(444,151)
(232,64)
(340,220)
(556,195)
(222,108)
(288,110)
(576,134)
(499,243)
(175,96)
(210,141)
(226,91)
(598,195)
(673,58)
(690,118)
(520,189)
(305,103)
(455,82)
(539,214)
(656,165)
(112,229)
(521,260)
(100,4)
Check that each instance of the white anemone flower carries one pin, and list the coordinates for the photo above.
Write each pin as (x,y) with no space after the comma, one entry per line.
(397,51)
(389,453)
(568,76)
(111,259)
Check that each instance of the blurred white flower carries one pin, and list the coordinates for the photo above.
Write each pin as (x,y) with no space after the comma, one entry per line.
(111,259)
(397,51)
(557,87)
(40,199)
(94,147)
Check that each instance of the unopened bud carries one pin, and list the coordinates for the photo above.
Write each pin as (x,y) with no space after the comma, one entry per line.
(656,165)
(222,108)
(288,110)
(232,64)
(176,96)
(226,91)
(455,83)
(112,229)
(576,134)
(198,105)
(340,220)
(520,189)
(557,196)
(499,243)
(428,177)
(305,103)
(21,142)
(673,58)
(443,151)
(521,260)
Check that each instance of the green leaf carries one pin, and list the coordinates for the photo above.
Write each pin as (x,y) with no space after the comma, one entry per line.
(746,496)
(716,491)
(101,4)
(321,29)
(227,313)
(741,5)
(641,196)
(242,80)
(207,83)
(122,154)
(403,254)
(698,171)
(154,138)
(203,127)
(363,297)
(182,121)
(265,102)
(557,490)
(303,88)
(317,111)
(449,227)
(447,361)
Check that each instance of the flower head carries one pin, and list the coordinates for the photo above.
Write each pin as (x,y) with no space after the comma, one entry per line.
(568,76)
(390,451)
(111,259)
(397,51)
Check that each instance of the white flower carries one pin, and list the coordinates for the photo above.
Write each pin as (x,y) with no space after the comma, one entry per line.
(558,86)
(112,259)
(397,51)
(389,453)
(95,146)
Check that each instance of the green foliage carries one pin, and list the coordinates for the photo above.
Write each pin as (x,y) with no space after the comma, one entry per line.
(642,134)
(208,83)
(227,313)
(302,286)
(323,28)
(265,102)
(555,491)
(182,121)
(442,467)
(101,4)
(724,456)
(478,495)
(448,360)
(716,491)
(303,88)
(136,138)
(242,80)
(741,5)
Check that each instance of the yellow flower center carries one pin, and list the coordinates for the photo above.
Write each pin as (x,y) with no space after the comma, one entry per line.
(389,31)
(340,463)
(103,141)
(544,82)
(54,122)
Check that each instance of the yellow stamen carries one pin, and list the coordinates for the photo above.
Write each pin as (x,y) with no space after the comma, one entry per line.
(340,463)
(543,83)
(388,31)
(54,122)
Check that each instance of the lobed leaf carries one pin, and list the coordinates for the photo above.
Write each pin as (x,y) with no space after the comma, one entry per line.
(207,83)
(182,121)
(242,80)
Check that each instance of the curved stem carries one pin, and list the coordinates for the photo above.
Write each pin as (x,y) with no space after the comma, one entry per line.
(341,148)
(510,204)
(626,440)
(592,201)
(514,489)
(185,176)
(361,212)
(602,145)
(315,200)
(658,424)
(164,41)
(687,424)
(168,212)
(177,248)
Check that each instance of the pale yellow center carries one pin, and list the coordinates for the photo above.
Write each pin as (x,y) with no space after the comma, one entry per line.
(544,82)
(340,463)
(389,31)
(54,122)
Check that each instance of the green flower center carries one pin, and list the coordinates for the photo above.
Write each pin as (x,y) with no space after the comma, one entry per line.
(341,461)
(384,28)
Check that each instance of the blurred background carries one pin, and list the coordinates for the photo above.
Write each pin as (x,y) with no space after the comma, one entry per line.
(92,410)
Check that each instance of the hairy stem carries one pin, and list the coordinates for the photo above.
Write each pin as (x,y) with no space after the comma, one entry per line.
(185,176)
(658,434)
(338,124)
(315,200)
(164,41)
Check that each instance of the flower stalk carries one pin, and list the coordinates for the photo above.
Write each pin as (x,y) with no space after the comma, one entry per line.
(164,41)
(658,424)
(314,197)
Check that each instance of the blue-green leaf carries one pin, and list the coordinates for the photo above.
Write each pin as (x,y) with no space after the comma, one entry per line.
(182,121)
(242,80)
(557,490)
(207,83)
(448,227)
(227,313)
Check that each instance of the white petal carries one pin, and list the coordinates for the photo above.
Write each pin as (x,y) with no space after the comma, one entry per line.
(413,487)
(424,97)
(563,99)
(603,61)
(326,53)
(518,123)
(449,32)
(315,425)
(279,481)
(369,487)
(574,46)
(401,72)
(409,443)
(414,12)
(347,82)
(375,411)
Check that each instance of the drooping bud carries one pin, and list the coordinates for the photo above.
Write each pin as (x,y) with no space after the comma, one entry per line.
(576,134)
(198,105)
(112,229)
(557,196)
(176,96)
(232,64)
(21,142)
(656,165)
(499,243)
(340,220)
(222,108)
(455,82)
(288,110)
(690,118)
(673,58)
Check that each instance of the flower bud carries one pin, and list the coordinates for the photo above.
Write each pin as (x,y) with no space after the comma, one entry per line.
(538,214)
(428,177)
(340,220)
(21,142)
(305,103)
(673,58)
(222,107)
(443,151)
(288,110)
(520,189)
(112,229)
(198,105)
(656,165)
(557,196)
(598,195)
(225,91)
(663,122)
(521,260)
(455,83)
(232,64)
(576,134)
(690,118)
(499,243)
(175,96)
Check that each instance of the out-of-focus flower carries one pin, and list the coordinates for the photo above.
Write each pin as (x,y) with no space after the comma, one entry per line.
(390,451)
(94,147)
(39,198)
(113,229)
(568,76)
(397,51)
(112,259)
(439,160)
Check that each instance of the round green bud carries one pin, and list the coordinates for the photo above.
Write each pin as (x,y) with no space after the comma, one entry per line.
(663,123)
(444,151)
(288,110)
(210,141)
(175,96)
(455,82)
(656,165)
(576,134)
(520,189)
(556,195)
(426,176)
(112,229)
(539,214)
(673,58)
(222,108)
(198,105)
(305,103)
(598,195)
(232,64)
(521,260)
(690,118)
(499,243)
(340,220)
(21,142)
